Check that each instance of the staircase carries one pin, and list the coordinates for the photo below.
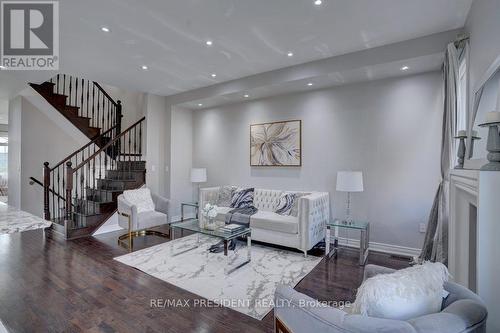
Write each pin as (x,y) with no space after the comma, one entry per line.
(80,192)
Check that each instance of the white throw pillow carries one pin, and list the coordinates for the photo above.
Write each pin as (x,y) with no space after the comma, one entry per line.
(402,295)
(141,198)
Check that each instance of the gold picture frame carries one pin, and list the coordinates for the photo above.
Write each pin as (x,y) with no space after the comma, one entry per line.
(276,144)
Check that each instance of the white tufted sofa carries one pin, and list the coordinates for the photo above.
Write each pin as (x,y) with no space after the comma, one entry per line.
(301,232)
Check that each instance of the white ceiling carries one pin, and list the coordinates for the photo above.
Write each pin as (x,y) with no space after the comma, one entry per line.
(249,37)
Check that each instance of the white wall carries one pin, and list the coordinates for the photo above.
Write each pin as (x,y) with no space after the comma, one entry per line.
(483,25)
(157,143)
(133,104)
(181,187)
(4,111)
(15,107)
(41,140)
(389,129)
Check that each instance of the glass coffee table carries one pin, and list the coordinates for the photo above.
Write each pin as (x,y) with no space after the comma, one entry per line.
(226,237)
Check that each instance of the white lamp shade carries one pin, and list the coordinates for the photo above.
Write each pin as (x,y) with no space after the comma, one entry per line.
(350,181)
(198,175)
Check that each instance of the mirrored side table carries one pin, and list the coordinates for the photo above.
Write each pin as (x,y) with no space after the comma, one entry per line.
(364,239)
(189,204)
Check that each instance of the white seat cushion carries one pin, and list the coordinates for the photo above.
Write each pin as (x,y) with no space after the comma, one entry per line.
(272,221)
(150,219)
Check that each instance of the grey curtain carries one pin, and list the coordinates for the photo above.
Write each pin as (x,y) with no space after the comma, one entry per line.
(436,239)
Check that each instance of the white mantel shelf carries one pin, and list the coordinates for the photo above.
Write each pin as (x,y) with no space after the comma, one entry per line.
(474,252)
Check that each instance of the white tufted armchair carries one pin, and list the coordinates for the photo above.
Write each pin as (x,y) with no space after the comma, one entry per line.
(301,232)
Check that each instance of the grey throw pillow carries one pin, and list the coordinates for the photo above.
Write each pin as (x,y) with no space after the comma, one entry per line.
(242,198)
(285,203)
(224,196)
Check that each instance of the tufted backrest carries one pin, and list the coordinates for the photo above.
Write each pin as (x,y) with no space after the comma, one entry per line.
(266,199)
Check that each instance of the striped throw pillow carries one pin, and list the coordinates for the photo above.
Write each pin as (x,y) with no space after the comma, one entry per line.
(285,203)
(242,198)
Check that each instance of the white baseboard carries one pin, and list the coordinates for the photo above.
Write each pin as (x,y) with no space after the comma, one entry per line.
(382,247)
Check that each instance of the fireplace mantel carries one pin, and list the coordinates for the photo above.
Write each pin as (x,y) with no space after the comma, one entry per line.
(474,236)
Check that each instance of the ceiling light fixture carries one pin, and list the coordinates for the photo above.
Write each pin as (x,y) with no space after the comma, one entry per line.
(105,29)
(405,68)
(213,75)
(246,96)
(144,67)
(318,2)
(199,104)
(310,84)
(290,54)
(209,42)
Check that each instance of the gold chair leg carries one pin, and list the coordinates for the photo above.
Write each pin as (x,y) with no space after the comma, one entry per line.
(130,235)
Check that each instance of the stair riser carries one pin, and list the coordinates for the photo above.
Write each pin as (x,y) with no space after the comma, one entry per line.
(116,184)
(118,175)
(124,165)
(102,195)
(92,207)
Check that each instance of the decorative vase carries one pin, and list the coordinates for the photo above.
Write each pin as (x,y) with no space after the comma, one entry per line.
(210,223)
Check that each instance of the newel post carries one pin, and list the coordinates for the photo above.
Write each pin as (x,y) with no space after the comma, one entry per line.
(69,189)
(46,189)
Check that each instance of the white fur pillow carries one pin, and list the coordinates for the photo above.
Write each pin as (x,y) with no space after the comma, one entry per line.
(404,294)
(140,197)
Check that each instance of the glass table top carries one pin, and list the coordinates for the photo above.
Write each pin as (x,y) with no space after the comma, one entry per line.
(193,225)
(345,224)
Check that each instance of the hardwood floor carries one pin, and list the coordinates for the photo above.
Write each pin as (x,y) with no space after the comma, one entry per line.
(49,285)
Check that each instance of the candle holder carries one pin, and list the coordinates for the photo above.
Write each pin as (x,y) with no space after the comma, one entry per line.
(461,151)
(493,147)
(474,138)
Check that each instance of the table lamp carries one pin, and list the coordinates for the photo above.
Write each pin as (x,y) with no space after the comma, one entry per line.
(198,175)
(349,181)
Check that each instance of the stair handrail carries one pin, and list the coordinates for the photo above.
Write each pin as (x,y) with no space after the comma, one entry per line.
(79,175)
(105,93)
(116,138)
(83,148)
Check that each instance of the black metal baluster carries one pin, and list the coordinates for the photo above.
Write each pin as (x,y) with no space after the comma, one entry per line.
(64,84)
(53,197)
(81,100)
(88,89)
(135,143)
(103,110)
(57,84)
(70,91)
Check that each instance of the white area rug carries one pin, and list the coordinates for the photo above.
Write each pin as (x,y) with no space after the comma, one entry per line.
(249,289)
(14,220)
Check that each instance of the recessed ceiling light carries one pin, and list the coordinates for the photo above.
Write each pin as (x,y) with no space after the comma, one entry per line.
(105,29)
(246,96)
(405,68)
(290,54)
(144,67)
(310,84)
(213,75)
(318,2)
(199,104)
(209,42)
